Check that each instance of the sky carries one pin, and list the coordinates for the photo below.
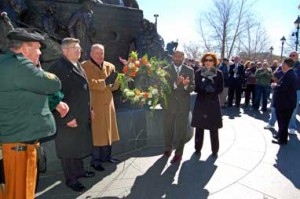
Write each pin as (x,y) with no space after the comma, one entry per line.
(178,19)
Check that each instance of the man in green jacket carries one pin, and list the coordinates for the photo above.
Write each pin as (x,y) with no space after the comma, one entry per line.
(263,77)
(24,110)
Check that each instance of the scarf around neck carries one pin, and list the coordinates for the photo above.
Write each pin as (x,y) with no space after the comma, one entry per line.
(209,74)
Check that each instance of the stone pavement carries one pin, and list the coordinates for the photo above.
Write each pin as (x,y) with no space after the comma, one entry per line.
(248,166)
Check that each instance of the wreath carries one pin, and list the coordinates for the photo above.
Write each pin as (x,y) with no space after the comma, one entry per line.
(143,82)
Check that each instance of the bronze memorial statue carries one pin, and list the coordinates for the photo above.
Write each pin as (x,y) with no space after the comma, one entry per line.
(88,20)
(80,26)
(50,23)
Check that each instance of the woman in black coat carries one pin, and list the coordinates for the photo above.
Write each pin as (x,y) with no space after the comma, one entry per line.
(207,110)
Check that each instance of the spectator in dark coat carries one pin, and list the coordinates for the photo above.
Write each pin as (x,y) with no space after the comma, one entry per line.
(224,67)
(293,124)
(250,84)
(236,76)
(207,111)
(285,98)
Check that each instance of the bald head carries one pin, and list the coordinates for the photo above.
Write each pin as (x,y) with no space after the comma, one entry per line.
(294,56)
(178,57)
(97,53)
(237,59)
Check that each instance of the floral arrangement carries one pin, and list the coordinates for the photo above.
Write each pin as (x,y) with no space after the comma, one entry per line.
(143,82)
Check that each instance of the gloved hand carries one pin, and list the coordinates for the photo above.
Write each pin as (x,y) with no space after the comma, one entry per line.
(111,78)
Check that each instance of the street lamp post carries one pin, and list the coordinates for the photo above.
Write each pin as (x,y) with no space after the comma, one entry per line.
(156,16)
(271,51)
(282,43)
(297,24)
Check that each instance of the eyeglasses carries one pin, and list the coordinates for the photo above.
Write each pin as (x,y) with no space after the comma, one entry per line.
(293,55)
(208,60)
(76,48)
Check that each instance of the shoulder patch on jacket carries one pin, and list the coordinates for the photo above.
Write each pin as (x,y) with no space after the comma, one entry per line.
(49,75)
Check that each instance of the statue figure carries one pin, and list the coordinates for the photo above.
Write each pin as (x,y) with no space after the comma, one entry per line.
(156,42)
(15,9)
(50,23)
(171,47)
(148,41)
(141,38)
(131,4)
(80,26)
(5,27)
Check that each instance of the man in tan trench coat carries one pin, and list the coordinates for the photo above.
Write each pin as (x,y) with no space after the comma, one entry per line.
(104,124)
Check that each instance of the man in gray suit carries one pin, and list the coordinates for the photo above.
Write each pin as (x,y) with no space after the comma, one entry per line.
(176,111)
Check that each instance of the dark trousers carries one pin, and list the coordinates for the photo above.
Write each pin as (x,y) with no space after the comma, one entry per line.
(73,169)
(175,124)
(214,140)
(101,154)
(283,119)
(235,88)
(261,92)
(1,172)
(250,94)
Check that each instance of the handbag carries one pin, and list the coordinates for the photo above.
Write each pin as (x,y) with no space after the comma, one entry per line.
(41,159)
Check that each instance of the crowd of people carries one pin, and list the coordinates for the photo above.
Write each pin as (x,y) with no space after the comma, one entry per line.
(74,102)
(251,79)
(260,82)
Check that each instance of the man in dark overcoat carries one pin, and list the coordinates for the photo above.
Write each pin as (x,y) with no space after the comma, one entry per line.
(285,100)
(236,79)
(74,137)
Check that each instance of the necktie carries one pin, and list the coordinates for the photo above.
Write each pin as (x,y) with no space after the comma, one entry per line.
(177,70)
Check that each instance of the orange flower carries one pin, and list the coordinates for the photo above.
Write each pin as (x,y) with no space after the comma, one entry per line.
(138,92)
(145,60)
(149,72)
(146,95)
(133,74)
(125,69)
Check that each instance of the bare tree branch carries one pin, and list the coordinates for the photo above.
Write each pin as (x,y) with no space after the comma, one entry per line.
(230,28)
(192,50)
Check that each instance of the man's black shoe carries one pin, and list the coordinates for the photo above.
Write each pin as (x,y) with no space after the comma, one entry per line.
(77,186)
(279,142)
(89,174)
(98,168)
